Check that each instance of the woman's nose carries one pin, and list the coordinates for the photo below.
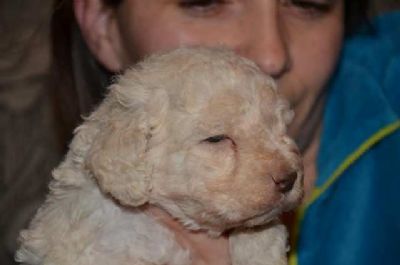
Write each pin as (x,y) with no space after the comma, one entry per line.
(266,44)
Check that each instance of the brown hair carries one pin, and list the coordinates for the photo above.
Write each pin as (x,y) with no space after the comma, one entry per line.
(78,81)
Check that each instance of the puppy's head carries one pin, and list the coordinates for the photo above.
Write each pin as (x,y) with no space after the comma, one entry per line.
(202,134)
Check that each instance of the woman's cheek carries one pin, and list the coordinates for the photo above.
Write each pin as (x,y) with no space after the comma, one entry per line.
(314,52)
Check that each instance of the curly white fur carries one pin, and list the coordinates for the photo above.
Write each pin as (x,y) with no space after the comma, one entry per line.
(199,133)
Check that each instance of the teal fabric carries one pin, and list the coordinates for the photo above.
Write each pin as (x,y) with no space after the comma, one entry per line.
(357,219)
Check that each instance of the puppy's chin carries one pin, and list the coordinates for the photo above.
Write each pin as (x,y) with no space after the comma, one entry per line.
(256,221)
(263,218)
(217,226)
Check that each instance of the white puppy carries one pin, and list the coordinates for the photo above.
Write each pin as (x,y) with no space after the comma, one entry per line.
(199,133)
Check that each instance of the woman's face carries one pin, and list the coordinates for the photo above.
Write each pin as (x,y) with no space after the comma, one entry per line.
(295,41)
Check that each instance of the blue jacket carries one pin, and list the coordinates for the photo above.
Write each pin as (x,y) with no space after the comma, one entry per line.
(353,216)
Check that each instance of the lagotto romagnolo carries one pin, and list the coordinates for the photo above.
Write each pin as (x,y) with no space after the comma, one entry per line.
(196,133)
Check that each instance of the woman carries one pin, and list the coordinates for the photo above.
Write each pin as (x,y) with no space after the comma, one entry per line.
(297,42)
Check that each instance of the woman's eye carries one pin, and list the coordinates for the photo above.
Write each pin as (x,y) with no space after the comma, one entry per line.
(312,8)
(200,7)
(216,138)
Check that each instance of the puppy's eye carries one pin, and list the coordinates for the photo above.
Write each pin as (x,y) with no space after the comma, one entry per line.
(216,138)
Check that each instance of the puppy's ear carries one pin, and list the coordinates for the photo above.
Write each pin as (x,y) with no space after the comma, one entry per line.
(116,158)
(117,161)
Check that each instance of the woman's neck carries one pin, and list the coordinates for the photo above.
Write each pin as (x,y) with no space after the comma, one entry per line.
(310,164)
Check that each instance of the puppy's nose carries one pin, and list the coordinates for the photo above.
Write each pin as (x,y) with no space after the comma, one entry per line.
(285,182)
